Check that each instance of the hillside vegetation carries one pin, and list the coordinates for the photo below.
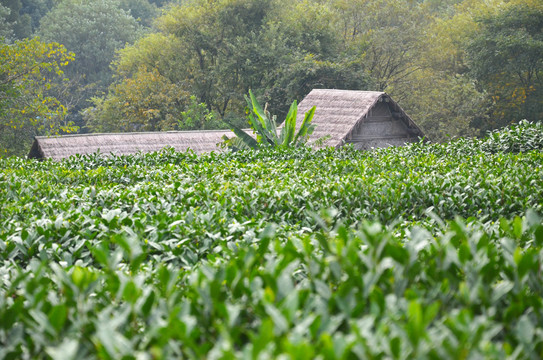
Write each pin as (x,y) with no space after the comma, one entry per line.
(427,251)
(457,67)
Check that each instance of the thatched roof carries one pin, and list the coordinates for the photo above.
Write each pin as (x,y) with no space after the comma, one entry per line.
(126,143)
(339,113)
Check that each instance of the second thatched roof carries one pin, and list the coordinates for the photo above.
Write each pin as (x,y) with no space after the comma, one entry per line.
(126,143)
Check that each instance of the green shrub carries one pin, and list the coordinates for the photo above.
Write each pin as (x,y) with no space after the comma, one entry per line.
(417,252)
(521,137)
(473,288)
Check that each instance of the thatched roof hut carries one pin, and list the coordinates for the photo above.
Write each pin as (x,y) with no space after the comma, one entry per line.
(126,143)
(368,119)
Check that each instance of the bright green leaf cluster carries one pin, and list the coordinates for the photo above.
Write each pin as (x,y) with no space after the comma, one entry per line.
(265,127)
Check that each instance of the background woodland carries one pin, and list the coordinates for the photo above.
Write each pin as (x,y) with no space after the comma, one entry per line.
(459,68)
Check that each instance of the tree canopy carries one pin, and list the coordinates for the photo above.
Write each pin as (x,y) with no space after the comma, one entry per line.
(216,51)
(27,70)
(93,30)
(506,57)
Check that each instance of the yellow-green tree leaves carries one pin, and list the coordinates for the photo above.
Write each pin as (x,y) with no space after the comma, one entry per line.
(27,68)
(145,102)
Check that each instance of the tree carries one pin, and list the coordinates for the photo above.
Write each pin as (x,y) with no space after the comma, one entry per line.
(222,49)
(213,50)
(141,10)
(197,116)
(441,95)
(506,57)
(445,105)
(19,24)
(315,54)
(36,9)
(386,35)
(27,68)
(146,102)
(94,30)
(5,29)
(219,50)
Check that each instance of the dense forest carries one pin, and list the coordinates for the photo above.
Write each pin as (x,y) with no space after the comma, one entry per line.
(459,68)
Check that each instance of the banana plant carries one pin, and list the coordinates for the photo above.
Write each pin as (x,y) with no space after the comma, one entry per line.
(264,125)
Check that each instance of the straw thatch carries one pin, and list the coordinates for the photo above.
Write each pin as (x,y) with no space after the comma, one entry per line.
(126,143)
(368,119)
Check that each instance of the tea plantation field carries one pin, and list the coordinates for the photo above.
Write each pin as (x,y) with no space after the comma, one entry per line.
(427,252)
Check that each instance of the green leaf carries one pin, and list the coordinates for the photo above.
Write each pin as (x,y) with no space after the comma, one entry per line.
(57,316)
(415,325)
(395,347)
(100,253)
(279,320)
(67,349)
(264,336)
(257,109)
(289,126)
(517,227)
(525,330)
(527,263)
(246,138)
(501,289)
(306,128)
(148,303)
(322,289)
(430,312)
(265,238)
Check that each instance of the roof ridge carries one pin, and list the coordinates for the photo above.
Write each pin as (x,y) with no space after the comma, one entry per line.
(134,133)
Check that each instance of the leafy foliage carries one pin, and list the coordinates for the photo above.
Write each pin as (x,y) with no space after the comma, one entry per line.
(458,67)
(5,28)
(506,56)
(517,138)
(290,253)
(197,116)
(521,137)
(19,24)
(27,68)
(217,51)
(146,102)
(389,47)
(94,30)
(265,128)
(142,10)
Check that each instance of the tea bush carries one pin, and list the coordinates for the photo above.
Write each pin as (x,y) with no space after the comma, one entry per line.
(429,251)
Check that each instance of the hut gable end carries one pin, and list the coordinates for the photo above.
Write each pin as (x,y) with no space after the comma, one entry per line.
(367,119)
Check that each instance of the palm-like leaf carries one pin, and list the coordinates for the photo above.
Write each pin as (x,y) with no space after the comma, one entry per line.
(290,125)
(262,123)
(246,138)
(306,128)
